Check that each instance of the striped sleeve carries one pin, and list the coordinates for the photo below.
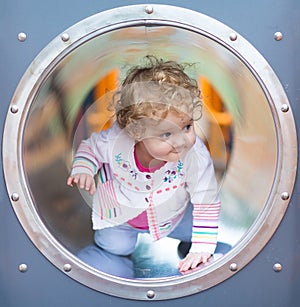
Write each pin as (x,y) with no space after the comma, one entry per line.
(205,227)
(85,160)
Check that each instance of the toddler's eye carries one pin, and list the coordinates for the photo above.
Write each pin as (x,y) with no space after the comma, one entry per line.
(188,127)
(165,135)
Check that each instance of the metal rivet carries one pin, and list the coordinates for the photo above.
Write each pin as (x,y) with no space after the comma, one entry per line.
(22,36)
(15,196)
(150,294)
(149,9)
(23,267)
(233,36)
(278,36)
(67,267)
(233,267)
(277,267)
(14,109)
(285,195)
(285,108)
(65,37)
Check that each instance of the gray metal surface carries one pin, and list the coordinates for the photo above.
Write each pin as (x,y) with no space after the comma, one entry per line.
(26,275)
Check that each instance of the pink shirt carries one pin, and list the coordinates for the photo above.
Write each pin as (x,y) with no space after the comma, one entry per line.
(141,221)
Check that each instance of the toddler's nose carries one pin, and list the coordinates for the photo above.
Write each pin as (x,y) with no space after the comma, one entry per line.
(179,141)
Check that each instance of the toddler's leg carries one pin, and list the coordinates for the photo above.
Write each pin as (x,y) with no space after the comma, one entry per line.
(183,231)
(107,262)
(118,240)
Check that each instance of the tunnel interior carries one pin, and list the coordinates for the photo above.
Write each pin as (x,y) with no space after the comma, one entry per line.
(237,126)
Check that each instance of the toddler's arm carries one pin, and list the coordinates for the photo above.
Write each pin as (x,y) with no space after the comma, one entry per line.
(204,235)
(85,164)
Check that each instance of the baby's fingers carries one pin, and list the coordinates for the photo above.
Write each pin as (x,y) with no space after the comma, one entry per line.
(90,185)
(70,181)
(93,189)
(192,260)
(83,181)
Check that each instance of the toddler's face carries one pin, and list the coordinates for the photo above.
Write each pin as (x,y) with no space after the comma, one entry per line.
(171,138)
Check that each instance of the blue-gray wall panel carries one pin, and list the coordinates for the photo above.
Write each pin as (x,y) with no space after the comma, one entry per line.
(43,284)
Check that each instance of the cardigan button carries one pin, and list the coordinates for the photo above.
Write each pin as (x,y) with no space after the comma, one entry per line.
(148,176)
(148,187)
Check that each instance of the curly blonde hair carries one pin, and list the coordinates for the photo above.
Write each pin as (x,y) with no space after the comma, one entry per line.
(153,90)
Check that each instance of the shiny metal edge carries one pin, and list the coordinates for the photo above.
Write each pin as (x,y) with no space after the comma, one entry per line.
(253,241)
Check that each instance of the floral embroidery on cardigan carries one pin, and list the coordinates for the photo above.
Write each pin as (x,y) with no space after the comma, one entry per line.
(171,175)
(125,165)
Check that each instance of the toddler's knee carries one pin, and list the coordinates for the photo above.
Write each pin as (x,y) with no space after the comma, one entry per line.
(122,249)
(118,246)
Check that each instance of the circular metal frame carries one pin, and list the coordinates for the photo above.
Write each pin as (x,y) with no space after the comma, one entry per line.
(254,240)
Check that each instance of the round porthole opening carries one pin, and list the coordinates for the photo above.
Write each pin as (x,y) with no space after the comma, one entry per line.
(247,125)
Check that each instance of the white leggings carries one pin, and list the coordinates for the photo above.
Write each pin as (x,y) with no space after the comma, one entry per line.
(121,240)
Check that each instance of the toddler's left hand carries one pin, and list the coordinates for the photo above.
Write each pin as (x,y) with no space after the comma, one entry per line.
(192,260)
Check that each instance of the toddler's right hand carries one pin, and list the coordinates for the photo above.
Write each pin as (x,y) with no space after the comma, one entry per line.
(83,181)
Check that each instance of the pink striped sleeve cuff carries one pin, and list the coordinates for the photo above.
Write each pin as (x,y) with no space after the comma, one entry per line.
(205,227)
